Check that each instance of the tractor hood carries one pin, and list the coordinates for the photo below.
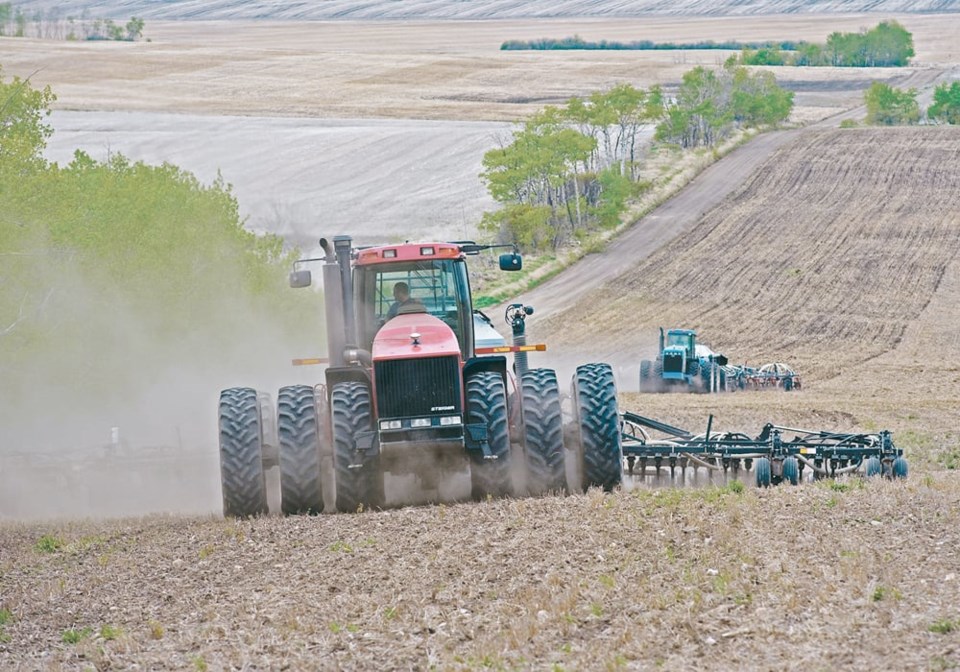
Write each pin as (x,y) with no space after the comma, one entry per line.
(415,335)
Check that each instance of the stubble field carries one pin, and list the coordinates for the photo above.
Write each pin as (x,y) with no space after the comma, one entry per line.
(839,254)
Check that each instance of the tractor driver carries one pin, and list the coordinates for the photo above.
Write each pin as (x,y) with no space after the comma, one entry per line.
(402,298)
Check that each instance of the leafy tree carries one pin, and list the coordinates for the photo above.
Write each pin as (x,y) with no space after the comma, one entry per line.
(757,100)
(809,53)
(710,103)
(763,56)
(23,131)
(569,170)
(134,29)
(889,44)
(889,106)
(6,13)
(701,113)
(946,103)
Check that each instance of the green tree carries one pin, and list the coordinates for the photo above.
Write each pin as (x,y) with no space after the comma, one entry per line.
(134,29)
(756,98)
(889,44)
(889,106)
(946,103)
(809,53)
(23,129)
(20,19)
(763,56)
(701,113)
(6,14)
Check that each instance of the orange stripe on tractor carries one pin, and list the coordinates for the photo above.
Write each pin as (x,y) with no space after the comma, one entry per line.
(539,347)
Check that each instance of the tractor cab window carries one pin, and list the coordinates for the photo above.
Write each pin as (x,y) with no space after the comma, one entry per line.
(681,340)
(438,287)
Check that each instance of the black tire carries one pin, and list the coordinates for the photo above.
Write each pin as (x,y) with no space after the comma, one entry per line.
(872,467)
(360,488)
(646,368)
(241,454)
(791,470)
(301,430)
(598,424)
(543,432)
(487,405)
(762,472)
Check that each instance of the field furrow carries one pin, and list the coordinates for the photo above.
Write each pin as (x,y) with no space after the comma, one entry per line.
(823,258)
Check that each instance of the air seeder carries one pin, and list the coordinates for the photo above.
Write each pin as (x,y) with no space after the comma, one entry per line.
(413,394)
(777,455)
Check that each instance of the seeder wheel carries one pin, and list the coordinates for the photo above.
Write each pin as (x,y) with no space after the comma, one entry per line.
(761,468)
(900,468)
(791,470)
(872,467)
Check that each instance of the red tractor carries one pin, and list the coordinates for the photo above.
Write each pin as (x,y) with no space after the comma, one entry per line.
(406,391)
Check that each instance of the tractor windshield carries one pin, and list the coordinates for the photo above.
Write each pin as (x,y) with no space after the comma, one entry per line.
(437,286)
(681,339)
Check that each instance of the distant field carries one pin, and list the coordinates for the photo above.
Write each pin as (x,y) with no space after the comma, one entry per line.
(381,142)
(476,9)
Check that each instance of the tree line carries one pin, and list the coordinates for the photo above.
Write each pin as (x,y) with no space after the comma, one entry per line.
(889,44)
(578,43)
(569,172)
(52,25)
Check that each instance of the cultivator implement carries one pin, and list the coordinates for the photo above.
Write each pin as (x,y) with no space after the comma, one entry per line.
(769,376)
(777,455)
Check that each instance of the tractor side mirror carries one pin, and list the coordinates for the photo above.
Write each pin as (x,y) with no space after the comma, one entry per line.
(299,279)
(511,262)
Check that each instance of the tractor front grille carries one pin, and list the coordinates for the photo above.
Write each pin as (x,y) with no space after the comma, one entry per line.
(417,387)
(673,363)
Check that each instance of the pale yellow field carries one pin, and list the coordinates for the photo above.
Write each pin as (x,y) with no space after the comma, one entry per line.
(436,70)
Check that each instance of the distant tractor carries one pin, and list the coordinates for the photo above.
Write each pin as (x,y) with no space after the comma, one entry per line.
(407,392)
(682,365)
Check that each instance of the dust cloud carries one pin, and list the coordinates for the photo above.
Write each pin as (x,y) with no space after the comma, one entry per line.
(110,414)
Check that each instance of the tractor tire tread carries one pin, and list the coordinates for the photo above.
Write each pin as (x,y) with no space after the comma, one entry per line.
(241,454)
(301,430)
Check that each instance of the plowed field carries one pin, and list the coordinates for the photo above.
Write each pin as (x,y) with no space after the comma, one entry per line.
(840,253)
(823,257)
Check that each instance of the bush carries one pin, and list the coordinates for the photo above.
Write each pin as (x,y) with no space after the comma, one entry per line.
(946,104)
(889,106)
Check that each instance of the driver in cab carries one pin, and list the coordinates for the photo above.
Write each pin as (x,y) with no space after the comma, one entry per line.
(403,302)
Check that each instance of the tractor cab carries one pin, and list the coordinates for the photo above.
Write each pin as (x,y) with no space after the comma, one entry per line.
(678,350)
(393,283)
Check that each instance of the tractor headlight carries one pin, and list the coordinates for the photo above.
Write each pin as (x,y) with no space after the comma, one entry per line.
(389,424)
(448,420)
(420,422)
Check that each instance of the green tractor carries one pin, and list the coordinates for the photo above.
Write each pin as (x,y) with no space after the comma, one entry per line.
(682,365)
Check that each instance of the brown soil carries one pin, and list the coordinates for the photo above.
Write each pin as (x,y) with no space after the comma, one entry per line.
(851,577)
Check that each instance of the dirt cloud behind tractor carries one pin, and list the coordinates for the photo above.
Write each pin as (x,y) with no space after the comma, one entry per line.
(106,414)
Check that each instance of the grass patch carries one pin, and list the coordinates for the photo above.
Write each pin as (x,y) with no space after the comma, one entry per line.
(156,630)
(48,544)
(944,626)
(73,636)
(109,633)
